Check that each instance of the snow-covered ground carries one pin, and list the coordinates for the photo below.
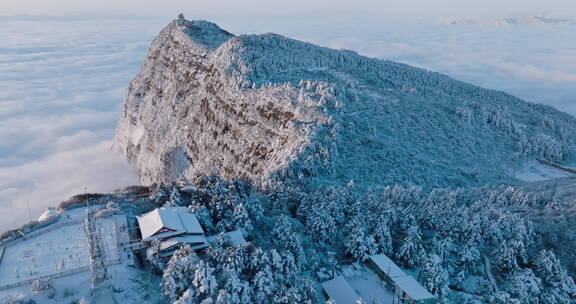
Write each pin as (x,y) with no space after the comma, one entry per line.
(130,284)
(62,255)
(367,284)
(535,171)
(51,253)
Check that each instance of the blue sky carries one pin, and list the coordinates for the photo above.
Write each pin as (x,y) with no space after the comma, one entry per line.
(62,79)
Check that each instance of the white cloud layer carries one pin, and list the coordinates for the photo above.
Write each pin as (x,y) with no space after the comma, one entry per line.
(62,84)
(61,89)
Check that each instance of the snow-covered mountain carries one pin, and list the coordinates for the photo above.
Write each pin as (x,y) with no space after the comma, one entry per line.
(258,106)
(268,109)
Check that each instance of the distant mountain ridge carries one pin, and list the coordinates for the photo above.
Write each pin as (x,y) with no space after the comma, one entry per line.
(266,107)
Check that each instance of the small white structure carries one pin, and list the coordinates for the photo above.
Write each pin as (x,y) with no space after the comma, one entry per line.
(340,291)
(48,215)
(171,226)
(403,285)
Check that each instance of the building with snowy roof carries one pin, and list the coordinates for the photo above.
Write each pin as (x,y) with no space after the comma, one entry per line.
(339,290)
(411,290)
(408,289)
(171,227)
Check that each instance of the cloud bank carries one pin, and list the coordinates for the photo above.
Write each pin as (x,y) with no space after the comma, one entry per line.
(509,21)
(62,87)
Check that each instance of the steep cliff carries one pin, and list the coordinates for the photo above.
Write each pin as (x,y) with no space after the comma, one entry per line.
(263,106)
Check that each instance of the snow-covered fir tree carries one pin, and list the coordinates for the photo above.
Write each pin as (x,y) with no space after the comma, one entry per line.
(359,244)
(505,258)
(160,194)
(287,239)
(204,281)
(175,199)
(264,285)
(177,277)
(549,269)
(188,297)
(382,236)
(526,286)
(468,257)
(410,251)
(434,276)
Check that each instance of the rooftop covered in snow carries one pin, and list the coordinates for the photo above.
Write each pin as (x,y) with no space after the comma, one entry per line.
(340,291)
(412,288)
(168,221)
(404,282)
(387,266)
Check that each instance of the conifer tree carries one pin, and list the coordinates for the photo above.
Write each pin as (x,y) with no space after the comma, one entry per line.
(358,243)
(175,198)
(160,195)
(287,239)
(411,251)
(505,258)
(187,297)
(204,280)
(176,277)
(434,276)
(383,237)
(526,287)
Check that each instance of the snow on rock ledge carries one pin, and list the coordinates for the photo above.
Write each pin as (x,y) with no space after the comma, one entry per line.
(257,106)
(186,116)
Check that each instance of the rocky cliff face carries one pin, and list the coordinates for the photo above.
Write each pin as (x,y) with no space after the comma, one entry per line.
(186,114)
(265,106)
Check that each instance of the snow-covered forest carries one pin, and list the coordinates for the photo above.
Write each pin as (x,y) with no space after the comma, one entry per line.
(446,236)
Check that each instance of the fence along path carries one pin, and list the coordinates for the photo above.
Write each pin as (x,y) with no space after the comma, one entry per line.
(43,230)
(557,166)
(55,275)
(64,273)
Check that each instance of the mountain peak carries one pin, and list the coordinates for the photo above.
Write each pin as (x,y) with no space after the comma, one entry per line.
(203,33)
(262,107)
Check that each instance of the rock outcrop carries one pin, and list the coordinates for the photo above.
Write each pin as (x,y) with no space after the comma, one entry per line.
(261,107)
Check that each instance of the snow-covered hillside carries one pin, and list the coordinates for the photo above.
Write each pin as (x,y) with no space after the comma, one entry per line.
(263,106)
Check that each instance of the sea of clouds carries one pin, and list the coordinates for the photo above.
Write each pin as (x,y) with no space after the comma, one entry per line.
(62,82)
(61,88)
